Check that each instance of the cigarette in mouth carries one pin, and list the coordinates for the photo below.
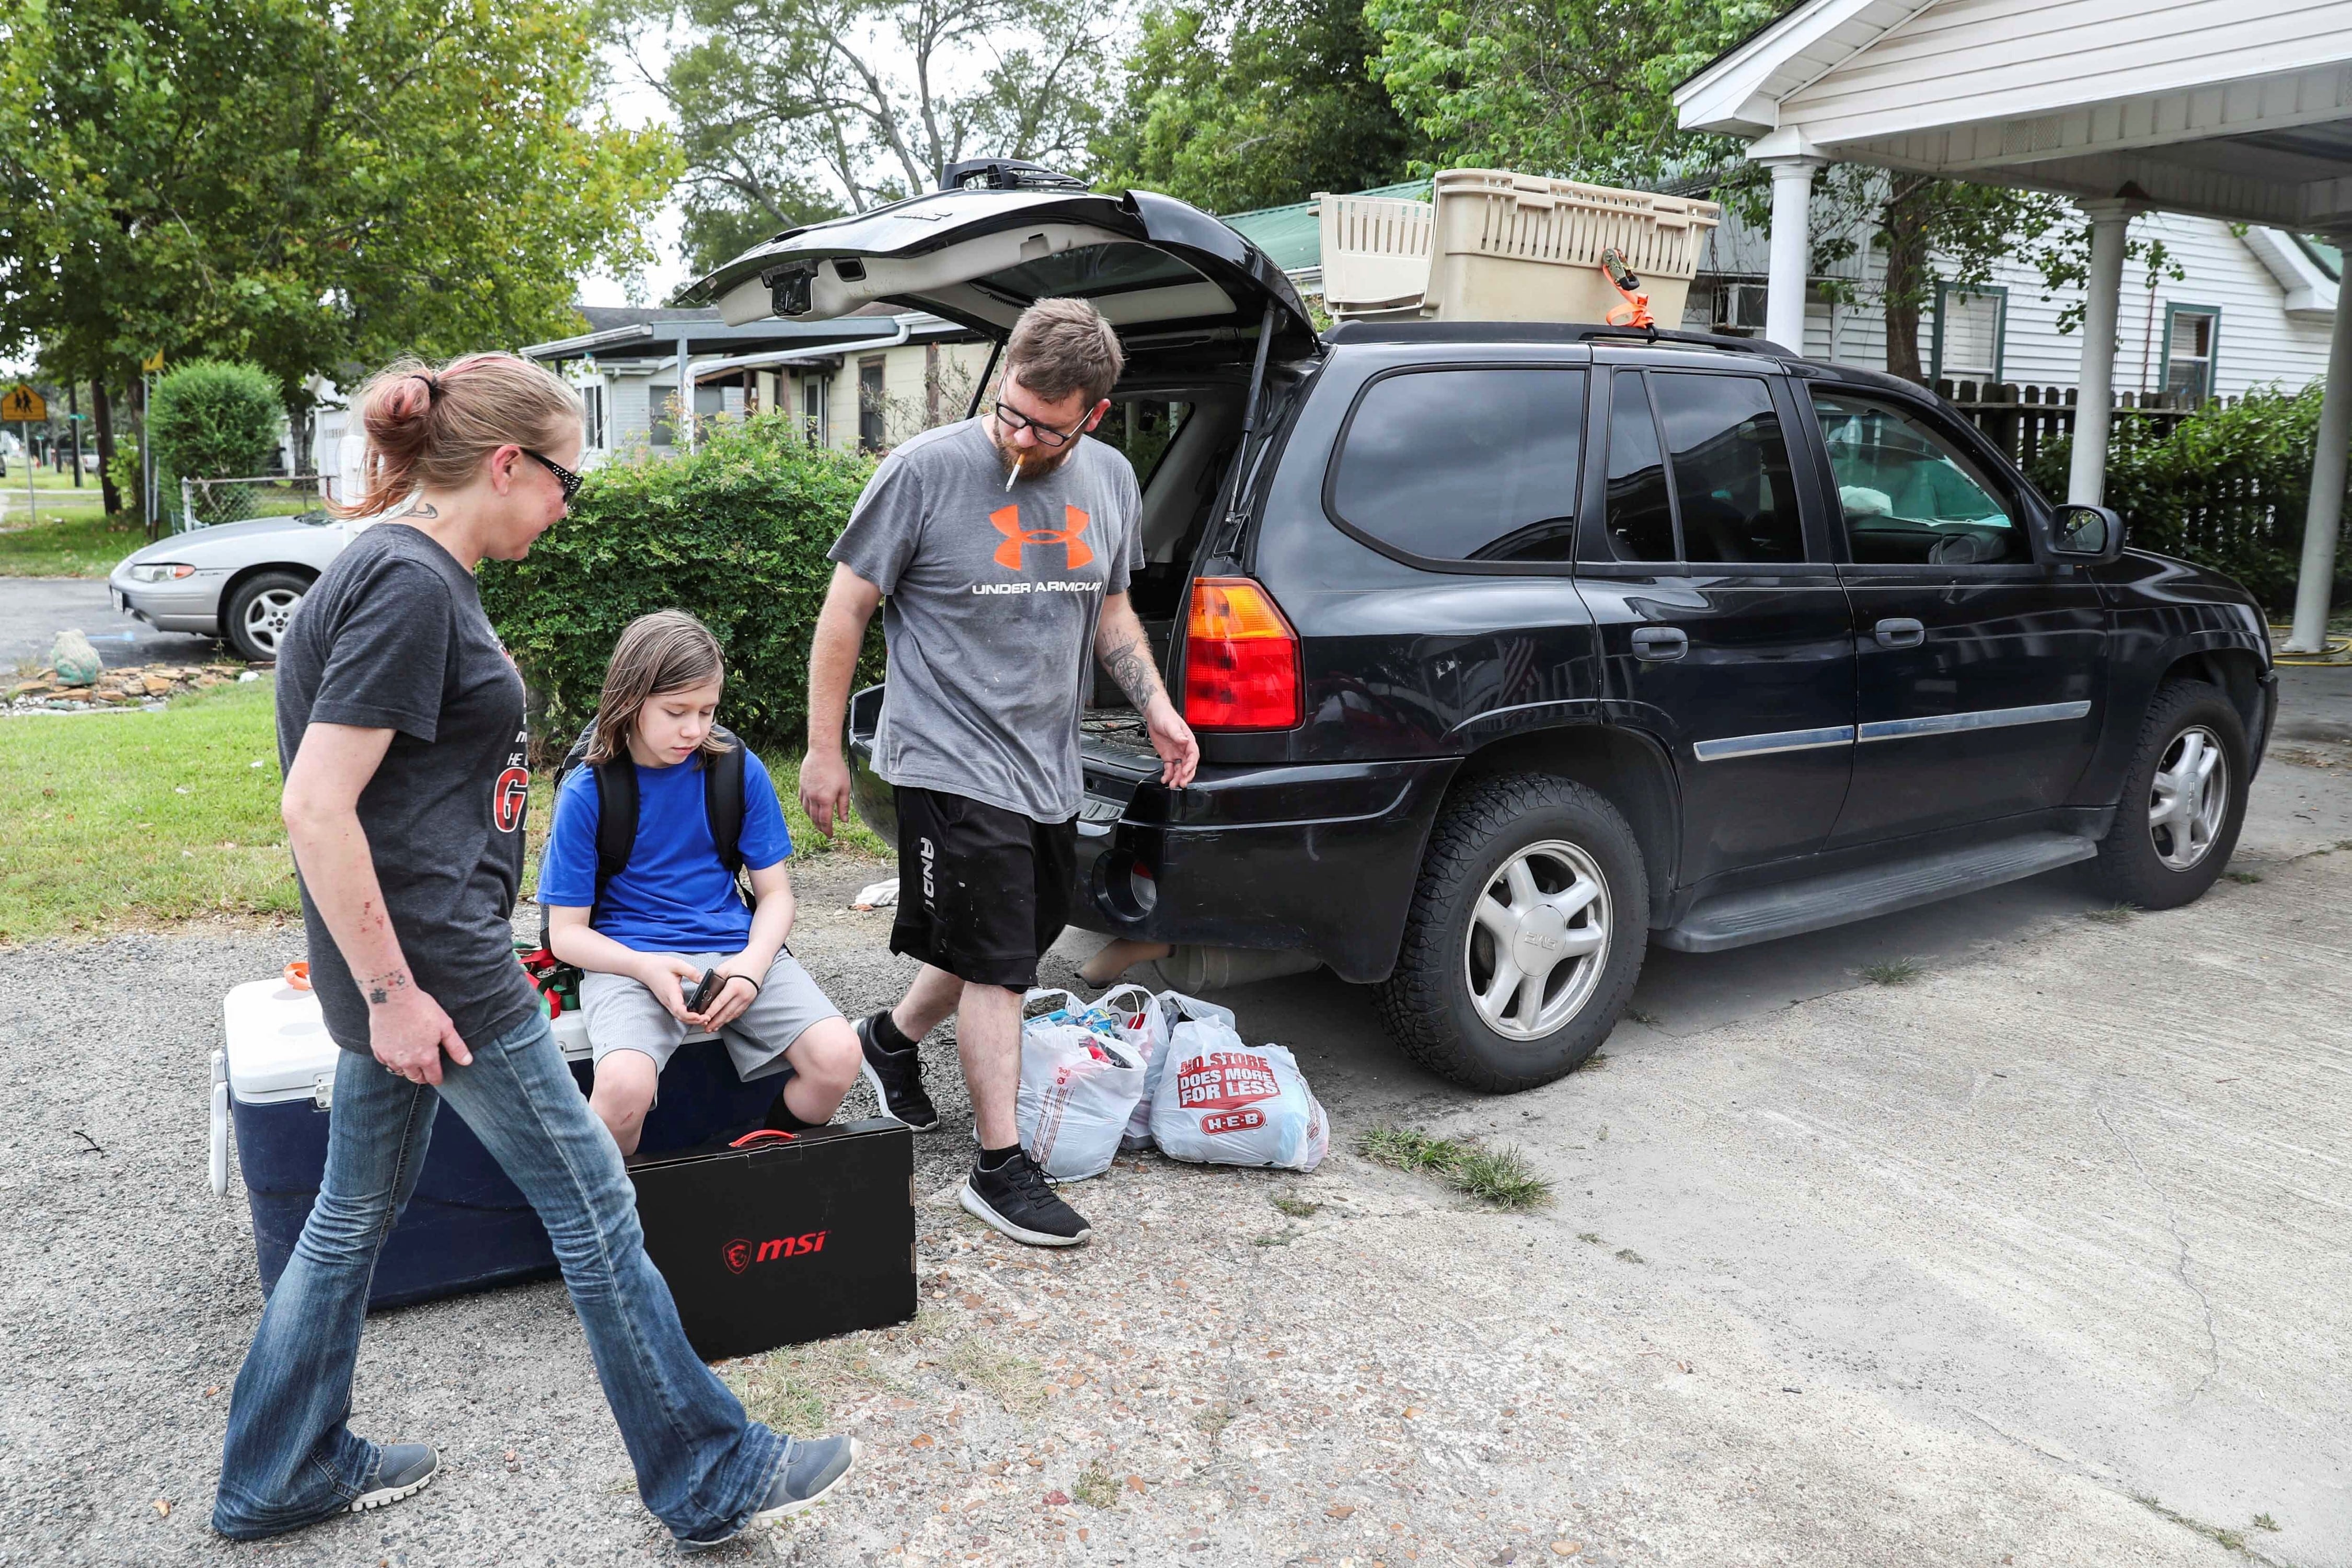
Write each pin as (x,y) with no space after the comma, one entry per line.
(1013,475)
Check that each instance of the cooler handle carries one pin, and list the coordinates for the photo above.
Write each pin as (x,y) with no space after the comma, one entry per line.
(761,1133)
(217,1164)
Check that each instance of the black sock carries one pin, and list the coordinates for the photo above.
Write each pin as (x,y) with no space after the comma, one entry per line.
(887,1034)
(996,1159)
(781,1119)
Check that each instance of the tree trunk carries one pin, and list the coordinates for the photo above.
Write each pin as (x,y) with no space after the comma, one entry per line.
(1905,224)
(102,414)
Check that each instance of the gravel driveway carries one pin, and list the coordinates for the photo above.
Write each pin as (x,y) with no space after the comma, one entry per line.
(2042,1258)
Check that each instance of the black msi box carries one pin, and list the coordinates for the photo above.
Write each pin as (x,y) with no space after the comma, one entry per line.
(778,1239)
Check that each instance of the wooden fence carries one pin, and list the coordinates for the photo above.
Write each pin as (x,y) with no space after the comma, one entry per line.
(2022,420)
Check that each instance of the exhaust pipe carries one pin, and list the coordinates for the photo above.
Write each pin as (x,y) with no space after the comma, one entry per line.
(1199,969)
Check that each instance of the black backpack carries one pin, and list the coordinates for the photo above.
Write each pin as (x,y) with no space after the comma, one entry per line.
(617,810)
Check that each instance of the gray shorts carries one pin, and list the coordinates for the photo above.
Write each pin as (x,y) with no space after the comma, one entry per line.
(623,1017)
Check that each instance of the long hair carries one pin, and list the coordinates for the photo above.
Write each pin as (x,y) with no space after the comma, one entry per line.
(428,426)
(669,650)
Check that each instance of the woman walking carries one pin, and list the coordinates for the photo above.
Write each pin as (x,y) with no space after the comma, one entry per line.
(400,726)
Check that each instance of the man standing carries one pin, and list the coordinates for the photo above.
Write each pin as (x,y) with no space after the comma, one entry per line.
(1003,546)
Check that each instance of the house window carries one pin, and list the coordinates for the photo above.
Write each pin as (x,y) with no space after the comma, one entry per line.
(1971,324)
(812,408)
(871,406)
(2191,333)
(591,408)
(661,412)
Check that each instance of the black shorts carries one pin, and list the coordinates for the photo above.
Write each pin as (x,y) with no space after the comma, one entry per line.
(982,891)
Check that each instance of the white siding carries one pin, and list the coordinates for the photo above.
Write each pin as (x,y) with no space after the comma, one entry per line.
(628,426)
(1964,61)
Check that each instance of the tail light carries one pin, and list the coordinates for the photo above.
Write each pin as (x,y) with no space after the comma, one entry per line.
(1241,660)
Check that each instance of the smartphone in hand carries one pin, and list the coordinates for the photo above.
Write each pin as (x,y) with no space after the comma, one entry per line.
(700,997)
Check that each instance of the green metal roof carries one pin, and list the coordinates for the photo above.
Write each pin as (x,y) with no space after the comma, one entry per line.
(2330,258)
(1293,237)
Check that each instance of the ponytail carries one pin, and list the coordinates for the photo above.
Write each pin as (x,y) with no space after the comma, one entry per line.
(428,426)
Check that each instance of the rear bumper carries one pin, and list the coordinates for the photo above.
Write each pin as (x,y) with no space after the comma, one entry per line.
(1320,858)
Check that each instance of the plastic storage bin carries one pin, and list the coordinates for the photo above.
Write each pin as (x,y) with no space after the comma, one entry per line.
(468,1228)
(1501,247)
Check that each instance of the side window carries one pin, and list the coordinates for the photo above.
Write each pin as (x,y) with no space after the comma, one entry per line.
(1641,521)
(1465,465)
(1732,480)
(1910,497)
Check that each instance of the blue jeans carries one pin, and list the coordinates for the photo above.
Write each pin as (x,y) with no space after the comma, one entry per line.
(290,1459)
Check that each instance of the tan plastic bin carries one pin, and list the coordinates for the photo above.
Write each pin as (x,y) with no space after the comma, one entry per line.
(1494,245)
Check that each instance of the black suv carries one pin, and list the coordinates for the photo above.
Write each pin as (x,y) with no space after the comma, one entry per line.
(1513,649)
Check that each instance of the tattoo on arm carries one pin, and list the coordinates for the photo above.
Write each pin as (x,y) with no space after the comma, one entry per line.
(380,987)
(1130,665)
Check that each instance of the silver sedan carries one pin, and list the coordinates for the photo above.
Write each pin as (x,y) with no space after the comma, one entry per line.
(236,581)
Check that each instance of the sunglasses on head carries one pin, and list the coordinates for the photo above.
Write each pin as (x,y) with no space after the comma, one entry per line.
(563,476)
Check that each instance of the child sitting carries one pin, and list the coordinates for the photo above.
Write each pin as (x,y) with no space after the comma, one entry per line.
(673,912)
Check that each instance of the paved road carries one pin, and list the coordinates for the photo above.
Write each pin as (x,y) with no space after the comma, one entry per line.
(34,610)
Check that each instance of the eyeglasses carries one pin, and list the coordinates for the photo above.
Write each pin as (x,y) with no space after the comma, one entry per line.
(1012,419)
(563,476)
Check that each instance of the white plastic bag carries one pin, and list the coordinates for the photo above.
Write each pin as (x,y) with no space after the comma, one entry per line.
(1221,1103)
(1080,1083)
(1150,1033)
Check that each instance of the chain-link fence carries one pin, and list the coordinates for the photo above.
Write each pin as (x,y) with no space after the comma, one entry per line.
(204,502)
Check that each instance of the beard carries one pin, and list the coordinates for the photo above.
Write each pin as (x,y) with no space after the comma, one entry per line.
(1036,462)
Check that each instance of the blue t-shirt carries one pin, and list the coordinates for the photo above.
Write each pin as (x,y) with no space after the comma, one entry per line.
(675,896)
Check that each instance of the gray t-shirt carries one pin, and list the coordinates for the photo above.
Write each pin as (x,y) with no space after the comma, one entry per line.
(992,597)
(391,637)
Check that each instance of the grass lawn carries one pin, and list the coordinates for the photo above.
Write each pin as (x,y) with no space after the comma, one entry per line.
(125,820)
(80,546)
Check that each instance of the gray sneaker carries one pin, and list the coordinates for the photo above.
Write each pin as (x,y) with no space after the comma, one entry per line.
(402,1469)
(809,1470)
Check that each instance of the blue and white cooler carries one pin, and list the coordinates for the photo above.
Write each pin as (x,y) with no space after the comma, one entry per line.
(468,1228)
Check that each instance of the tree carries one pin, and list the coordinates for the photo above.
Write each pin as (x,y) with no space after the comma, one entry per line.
(1575,89)
(311,185)
(1231,104)
(214,419)
(795,110)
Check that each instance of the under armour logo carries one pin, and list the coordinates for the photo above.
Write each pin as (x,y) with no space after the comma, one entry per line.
(1076,552)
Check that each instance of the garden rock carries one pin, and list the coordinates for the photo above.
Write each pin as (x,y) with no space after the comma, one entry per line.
(76,662)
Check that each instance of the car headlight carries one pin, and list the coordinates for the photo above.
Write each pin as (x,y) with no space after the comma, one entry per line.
(160,571)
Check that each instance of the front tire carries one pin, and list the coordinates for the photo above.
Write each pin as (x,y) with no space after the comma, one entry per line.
(2184,800)
(254,620)
(1526,934)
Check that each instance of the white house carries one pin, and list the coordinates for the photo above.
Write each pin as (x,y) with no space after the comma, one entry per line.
(2235,111)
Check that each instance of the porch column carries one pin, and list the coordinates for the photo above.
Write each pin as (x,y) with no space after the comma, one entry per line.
(2325,515)
(1784,286)
(2086,477)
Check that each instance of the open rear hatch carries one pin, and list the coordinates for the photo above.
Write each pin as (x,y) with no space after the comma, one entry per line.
(1160,272)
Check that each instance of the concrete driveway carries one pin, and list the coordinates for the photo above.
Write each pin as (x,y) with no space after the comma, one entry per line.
(2045,1259)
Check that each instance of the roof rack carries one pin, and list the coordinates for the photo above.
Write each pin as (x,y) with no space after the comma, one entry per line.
(1007,175)
(1549,333)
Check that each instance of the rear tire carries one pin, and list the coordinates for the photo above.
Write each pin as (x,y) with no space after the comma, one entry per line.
(2171,838)
(254,620)
(1540,874)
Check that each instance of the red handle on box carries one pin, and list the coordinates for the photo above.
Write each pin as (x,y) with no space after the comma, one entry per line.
(762,1132)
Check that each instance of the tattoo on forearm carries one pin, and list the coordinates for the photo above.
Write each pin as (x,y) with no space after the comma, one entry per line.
(1130,665)
(380,987)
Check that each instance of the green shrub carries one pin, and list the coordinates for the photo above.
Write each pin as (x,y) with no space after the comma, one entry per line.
(129,473)
(735,531)
(2225,488)
(214,419)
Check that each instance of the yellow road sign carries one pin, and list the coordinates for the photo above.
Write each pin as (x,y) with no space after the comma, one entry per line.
(22,403)
(153,362)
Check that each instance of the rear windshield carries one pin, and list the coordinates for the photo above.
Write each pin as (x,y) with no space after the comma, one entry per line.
(1087,273)
(1465,465)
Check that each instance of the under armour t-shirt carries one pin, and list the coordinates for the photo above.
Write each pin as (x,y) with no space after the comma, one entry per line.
(675,895)
(992,597)
(391,637)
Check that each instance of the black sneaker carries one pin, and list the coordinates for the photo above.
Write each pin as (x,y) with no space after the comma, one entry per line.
(811,1468)
(898,1080)
(1014,1199)
(402,1469)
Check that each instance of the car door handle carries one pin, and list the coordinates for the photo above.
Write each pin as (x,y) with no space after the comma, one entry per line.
(1900,631)
(1660,642)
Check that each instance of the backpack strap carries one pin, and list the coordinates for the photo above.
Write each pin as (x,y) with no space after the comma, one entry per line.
(722,802)
(616,819)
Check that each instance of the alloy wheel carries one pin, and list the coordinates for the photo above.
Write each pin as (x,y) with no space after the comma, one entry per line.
(2190,799)
(266,615)
(1538,940)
